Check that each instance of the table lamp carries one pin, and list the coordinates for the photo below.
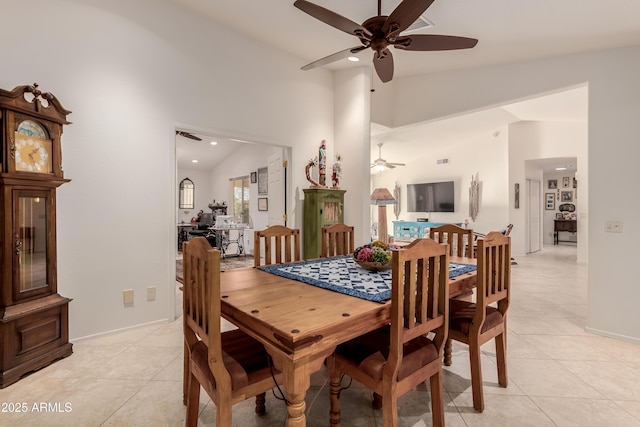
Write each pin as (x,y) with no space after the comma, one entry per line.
(382,197)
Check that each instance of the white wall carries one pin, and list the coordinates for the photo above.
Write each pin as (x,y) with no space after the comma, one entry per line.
(613,129)
(485,157)
(130,76)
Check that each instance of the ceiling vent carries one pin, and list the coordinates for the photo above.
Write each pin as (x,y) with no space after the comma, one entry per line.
(420,24)
(442,162)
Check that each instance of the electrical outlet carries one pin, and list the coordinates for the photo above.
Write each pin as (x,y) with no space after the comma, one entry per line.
(127,296)
(151,293)
(613,226)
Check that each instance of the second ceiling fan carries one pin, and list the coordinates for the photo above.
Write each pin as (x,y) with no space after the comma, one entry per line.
(380,32)
(380,164)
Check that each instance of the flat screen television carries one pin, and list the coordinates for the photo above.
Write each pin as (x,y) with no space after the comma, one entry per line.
(431,197)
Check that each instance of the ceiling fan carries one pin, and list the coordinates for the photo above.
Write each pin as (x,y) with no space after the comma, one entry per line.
(381,163)
(188,135)
(380,32)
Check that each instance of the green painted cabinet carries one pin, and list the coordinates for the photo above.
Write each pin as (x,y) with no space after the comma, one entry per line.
(322,206)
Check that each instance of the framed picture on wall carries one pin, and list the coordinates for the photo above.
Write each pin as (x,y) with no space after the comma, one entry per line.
(565,182)
(567,196)
(553,184)
(550,201)
(263,204)
(263,181)
(254,177)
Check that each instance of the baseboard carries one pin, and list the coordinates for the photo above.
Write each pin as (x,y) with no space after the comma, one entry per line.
(613,335)
(115,331)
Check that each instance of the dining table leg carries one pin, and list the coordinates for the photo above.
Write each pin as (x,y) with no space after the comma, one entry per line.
(297,380)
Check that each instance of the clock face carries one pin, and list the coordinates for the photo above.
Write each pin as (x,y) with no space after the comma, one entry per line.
(33,148)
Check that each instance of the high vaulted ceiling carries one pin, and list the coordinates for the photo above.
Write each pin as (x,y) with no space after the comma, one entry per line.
(507,30)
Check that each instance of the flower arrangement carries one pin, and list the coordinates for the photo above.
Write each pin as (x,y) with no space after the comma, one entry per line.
(374,256)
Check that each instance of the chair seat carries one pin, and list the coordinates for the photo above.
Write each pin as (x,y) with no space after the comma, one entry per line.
(369,353)
(245,358)
(461,315)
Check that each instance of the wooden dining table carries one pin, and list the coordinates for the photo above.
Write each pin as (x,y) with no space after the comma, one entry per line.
(300,324)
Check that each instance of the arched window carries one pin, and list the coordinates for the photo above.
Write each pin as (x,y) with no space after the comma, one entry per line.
(187,194)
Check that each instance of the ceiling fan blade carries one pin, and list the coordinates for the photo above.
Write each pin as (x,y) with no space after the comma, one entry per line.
(396,164)
(188,135)
(333,57)
(389,165)
(383,63)
(430,42)
(404,15)
(331,18)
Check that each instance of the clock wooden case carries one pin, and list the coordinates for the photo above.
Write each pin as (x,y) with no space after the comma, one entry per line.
(34,321)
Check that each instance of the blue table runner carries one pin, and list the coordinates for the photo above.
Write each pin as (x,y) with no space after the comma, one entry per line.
(342,274)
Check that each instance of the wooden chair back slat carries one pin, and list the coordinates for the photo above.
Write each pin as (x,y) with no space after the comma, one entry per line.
(281,245)
(460,239)
(337,239)
(419,290)
(494,261)
(201,299)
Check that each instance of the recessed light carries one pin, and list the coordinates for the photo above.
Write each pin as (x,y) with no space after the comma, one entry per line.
(213,143)
(561,168)
(353,58)
(194,161)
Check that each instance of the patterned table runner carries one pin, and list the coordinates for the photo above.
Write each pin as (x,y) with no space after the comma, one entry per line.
(342,274)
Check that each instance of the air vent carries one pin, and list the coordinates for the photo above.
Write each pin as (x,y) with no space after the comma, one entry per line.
(442,162)
(420,24)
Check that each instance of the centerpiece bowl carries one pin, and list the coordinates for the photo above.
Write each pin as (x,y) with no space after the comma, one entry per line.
(375,256)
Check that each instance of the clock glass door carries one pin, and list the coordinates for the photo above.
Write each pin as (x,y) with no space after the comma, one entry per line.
(31,243)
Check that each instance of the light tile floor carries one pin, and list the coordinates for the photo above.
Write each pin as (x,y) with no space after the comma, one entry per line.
(559,375)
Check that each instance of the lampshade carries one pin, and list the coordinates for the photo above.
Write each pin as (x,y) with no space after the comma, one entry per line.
(382,196)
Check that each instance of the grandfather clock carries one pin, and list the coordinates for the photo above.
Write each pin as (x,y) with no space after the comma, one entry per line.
(34,325)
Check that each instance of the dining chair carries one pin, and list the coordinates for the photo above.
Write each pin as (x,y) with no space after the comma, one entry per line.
(476,323)
(337,239)
(281,244)
(231,366)
(460,239)
(506,232)
(394,359)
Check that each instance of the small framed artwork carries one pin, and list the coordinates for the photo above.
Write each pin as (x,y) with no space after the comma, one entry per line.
(565,182)
(575,183)
(254,177)
(263,204)
(559,215)
(517,196)
(550,201)
(567,196)
(553,184)
(263,181)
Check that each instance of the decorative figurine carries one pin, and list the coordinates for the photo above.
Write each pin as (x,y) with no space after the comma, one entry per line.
(322,163)
(336,172)
(307,170)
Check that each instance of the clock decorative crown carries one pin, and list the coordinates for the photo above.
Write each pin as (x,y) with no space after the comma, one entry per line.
(32,129)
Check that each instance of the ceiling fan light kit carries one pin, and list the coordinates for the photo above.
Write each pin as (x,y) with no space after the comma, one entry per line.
(380,32)
(381,164)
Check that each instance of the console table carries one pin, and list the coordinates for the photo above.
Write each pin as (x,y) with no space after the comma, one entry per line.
(408,230)
(568,225)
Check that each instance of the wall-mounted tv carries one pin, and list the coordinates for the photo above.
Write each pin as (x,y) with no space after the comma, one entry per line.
(431,197)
